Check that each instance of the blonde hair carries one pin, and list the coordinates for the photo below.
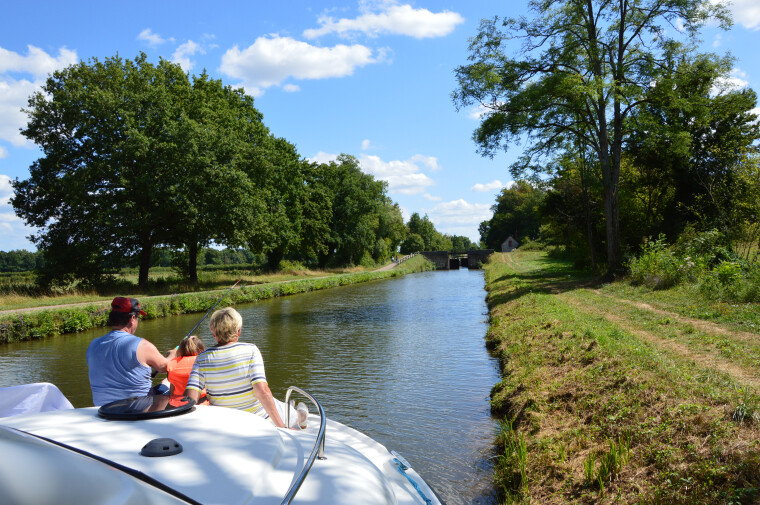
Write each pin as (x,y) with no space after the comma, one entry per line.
(190,346)
(225,324)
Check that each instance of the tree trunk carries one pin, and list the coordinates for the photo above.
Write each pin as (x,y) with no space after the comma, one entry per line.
(273,259)
(612,225)
(192,262)
(145,254)
(590,231)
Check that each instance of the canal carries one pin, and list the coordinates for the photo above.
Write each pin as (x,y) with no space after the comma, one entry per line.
(402,360)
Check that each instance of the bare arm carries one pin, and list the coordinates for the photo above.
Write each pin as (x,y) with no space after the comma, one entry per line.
(147,354)
(193,394)
(267,401)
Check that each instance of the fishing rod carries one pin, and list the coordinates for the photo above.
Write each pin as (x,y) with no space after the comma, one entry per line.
(209,310)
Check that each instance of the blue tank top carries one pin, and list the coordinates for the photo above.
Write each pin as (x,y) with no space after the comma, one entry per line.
(115,373)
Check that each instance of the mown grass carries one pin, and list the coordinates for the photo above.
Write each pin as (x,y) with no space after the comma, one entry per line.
(57,321)
(597,414)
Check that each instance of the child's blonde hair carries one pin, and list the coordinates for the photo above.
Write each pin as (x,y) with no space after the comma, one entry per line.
(190,346)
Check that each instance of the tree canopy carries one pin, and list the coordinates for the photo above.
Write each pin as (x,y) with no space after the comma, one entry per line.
(583,69)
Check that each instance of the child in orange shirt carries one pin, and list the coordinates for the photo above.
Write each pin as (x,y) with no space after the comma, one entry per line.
(178,369)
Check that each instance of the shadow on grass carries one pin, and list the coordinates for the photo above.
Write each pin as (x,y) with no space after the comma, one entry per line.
(551,277)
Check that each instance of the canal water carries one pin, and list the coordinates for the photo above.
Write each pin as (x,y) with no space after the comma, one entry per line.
(402,360)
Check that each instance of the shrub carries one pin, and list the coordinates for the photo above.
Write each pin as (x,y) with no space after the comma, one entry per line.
(657,267)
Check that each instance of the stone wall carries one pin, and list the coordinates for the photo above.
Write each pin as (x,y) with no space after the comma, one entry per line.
(439,258)
(478,257)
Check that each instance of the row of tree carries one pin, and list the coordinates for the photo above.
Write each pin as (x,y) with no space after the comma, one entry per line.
(630,131)
(140,157)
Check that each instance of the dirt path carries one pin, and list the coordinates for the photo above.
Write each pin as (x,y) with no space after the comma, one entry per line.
(699,324)
(704,359)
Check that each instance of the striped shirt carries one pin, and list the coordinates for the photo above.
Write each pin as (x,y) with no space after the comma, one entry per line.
(228,373)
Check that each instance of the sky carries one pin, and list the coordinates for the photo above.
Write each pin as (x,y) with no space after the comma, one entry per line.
(372,79)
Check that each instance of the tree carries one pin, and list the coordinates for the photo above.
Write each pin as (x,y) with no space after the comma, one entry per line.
(357,200)
(517,212)
(219,132)
(107,176)
(412,244)
(460,243)
(584,68)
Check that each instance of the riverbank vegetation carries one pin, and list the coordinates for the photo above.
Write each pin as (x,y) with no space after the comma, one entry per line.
(615,393)
(70,319)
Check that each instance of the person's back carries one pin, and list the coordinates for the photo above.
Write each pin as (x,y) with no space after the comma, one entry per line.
(228,373)
(178,369)
(119,362)
(114,370)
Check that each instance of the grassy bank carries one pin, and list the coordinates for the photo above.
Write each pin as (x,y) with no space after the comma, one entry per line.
(19,290)
(53,322)
(610,394)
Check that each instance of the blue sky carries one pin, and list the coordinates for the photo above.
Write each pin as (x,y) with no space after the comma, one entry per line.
(372,79)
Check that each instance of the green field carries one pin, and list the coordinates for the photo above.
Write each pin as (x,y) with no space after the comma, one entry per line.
(617,394)
(18,290)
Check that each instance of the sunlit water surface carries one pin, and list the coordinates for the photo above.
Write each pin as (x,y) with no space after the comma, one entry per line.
(402,360)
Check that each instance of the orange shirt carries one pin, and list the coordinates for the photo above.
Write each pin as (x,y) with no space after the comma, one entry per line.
(178,371)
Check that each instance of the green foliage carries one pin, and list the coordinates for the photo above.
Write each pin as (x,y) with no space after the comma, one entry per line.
(413,243)
(657,267)
(510,472)
(432,239)
(565,85)
(19,261)
(517,212)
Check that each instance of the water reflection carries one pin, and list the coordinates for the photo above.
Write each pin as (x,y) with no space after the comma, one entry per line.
(402,360)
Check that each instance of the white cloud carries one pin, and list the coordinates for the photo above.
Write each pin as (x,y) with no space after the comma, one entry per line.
(5,188)
(459,217)
(323,157)
(718,40)
(428,196)
(151,38)
(3,152)
(271,60)
(390,18)
(37,62)
(366,144)
(746,13)
(291,88)
(184,51)
(402,177)
(429,161)
(736,81)
(489,186)
(756,112)
(20,76)
(12,227)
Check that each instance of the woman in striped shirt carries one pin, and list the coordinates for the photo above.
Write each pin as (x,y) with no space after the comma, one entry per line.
(232,372)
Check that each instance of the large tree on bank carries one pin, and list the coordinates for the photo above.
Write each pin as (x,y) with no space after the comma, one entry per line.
(103,186)
(136,156)
(584,67)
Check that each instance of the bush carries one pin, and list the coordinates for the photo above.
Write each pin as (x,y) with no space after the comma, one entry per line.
(657,267)
(532,245)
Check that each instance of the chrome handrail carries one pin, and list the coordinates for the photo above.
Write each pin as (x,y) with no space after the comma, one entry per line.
(319,444)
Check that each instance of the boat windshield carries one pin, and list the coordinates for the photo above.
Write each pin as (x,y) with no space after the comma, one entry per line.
(146,407)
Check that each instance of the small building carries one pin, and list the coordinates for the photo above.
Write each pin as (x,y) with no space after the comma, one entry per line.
(510,244)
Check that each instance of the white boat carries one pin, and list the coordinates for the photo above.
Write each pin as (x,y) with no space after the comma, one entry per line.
(177,453)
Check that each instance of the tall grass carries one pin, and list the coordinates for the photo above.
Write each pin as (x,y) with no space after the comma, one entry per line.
(702,260)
